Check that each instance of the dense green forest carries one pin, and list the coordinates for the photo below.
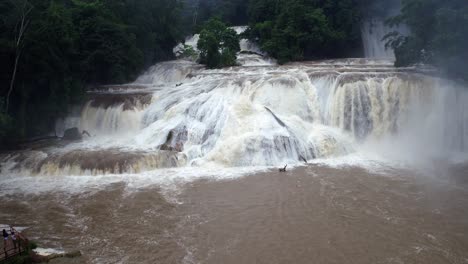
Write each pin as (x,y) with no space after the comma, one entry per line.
(439,35)
(52,50)
(196,12)
(292,30)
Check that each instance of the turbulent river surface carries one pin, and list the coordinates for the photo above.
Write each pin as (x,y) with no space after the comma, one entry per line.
(181,167)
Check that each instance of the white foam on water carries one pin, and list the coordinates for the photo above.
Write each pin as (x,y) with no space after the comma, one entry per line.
(17,228)
(48,251)
(170,181)
(367,161)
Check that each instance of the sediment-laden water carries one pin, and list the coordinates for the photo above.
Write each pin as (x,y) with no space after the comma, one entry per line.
(315,214)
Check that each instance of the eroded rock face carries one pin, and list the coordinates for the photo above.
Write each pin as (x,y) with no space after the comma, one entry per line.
(130,101)
(91,162)
(175,140)
(72,134)
(177,148)
(109,161)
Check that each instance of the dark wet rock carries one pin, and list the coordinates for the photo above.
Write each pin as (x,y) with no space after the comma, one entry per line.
(44,259)
(72,134)
(109,161)
(128,100)
(113,88)
(86,133)
(175,140)
(177,148)
(23,159)
(248,52)
(73,254)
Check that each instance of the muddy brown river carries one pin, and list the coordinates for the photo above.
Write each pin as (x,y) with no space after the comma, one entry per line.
(314,214)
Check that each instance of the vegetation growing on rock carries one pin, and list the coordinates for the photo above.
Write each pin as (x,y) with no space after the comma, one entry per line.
(218,44)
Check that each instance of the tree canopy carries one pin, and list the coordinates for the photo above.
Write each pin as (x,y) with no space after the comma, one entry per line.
(438,35)
(218,44)
(66,45)
(197,12)
(292,30)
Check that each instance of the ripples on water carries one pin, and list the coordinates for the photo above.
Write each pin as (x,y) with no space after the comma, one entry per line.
(314,213)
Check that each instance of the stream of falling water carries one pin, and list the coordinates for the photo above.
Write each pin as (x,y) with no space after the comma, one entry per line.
(373,34)
(181,115)
(179,122)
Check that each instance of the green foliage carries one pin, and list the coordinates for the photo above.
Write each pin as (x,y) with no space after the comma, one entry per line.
(218,44)
(293,30)
(22,259)
(32,245)
(6,123)
(196,12)
(188,52)
(439,35)
(69,44)
(107,50)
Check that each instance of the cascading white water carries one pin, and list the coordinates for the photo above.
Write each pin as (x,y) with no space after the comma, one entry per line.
(167,72)
(233,120)
(114,119)
(415,115)
(118,114)
(373,34)
(261,116)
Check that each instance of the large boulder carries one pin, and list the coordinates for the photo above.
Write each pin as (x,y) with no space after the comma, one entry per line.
(175,140)
(72,134)
(179,147)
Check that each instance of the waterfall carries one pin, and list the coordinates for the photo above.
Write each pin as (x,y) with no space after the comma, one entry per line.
(423,114)
(373,33)
(112,119)
(108,113)
(179,114)
(168,72)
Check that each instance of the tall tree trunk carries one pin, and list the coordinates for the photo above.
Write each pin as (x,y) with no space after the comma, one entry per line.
(195,15)
(12,81)
(22,113)
(21,27)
